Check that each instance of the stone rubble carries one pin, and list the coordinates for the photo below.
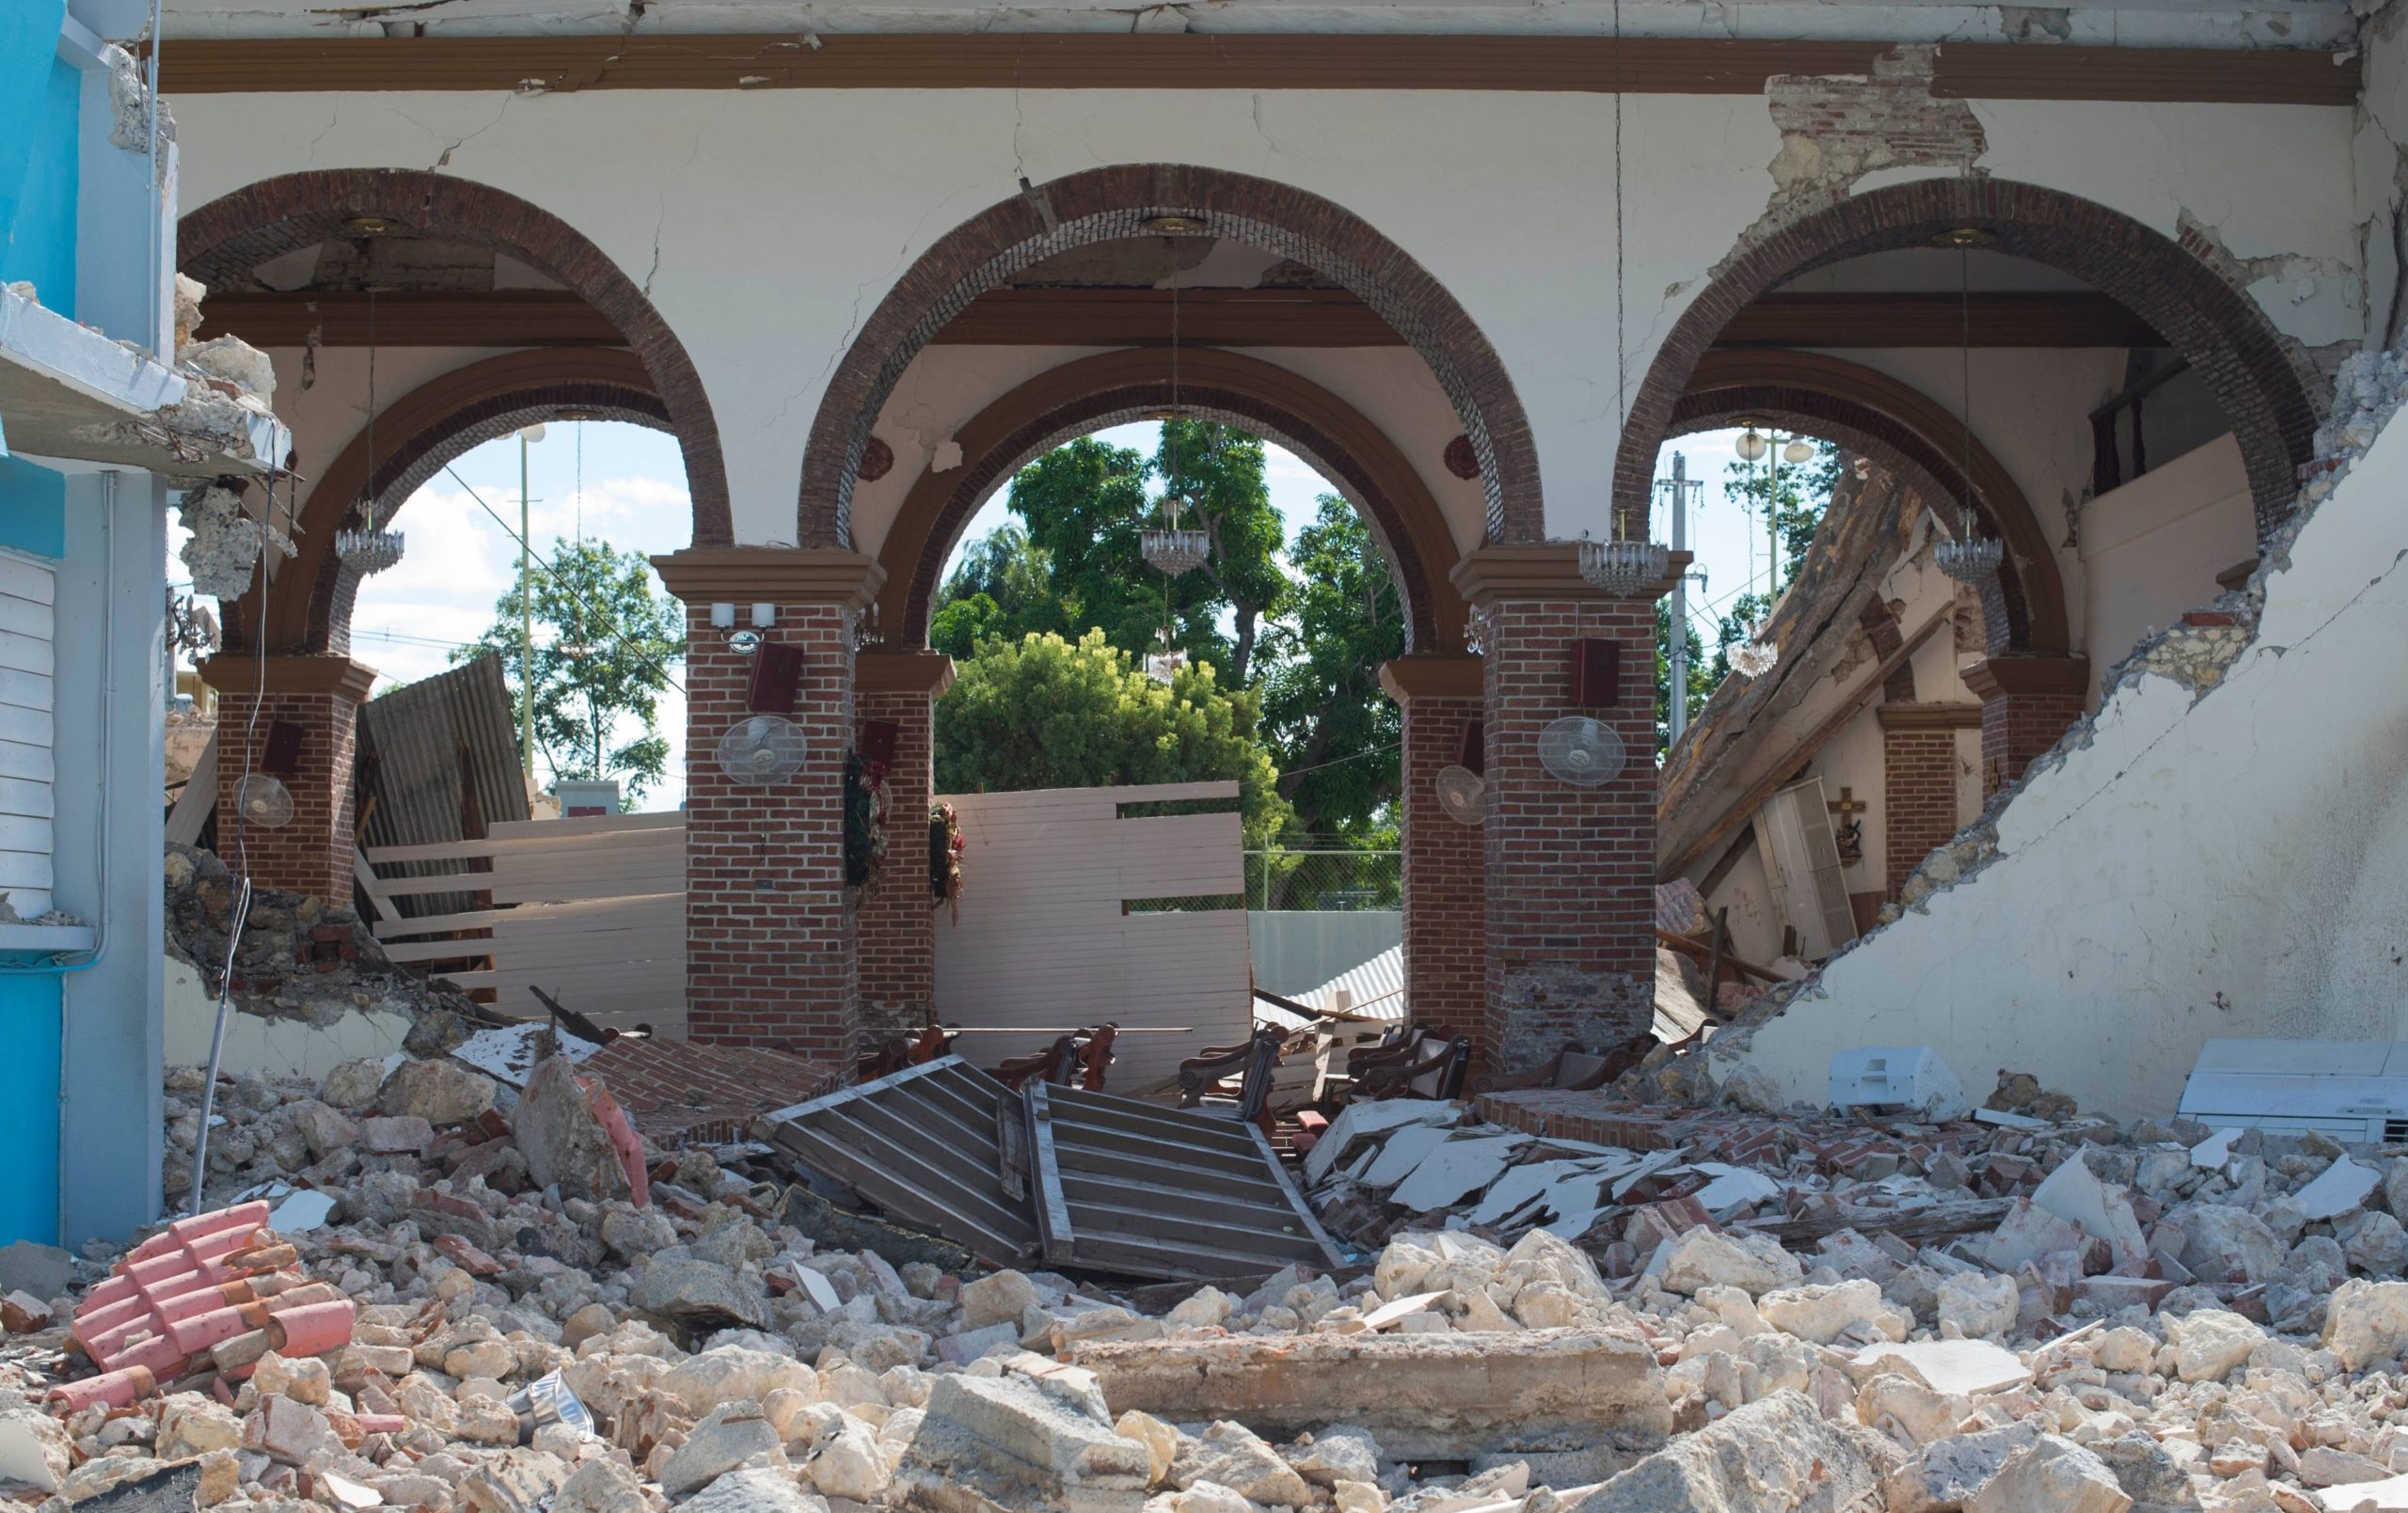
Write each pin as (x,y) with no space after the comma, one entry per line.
(1699,1311)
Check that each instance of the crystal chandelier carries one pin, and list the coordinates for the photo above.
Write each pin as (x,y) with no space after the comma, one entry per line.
(1624,569)
(1753,658)
(1969,559)
(364,548)
(1172,549)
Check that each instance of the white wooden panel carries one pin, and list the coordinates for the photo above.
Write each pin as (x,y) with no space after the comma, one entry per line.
(24,652)
(20,760)
(22,832)
(436,950)
(27,690)
(1807,883)
(20,871)
(27,732)
(23,796)
(21,577)
(1043,939)
(25,617)
(25,726)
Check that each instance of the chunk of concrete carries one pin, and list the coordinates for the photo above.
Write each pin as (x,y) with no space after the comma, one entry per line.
(1958,1367)
(35,1448)
(755,1489)
(2211,1343)
(1778,1455)
(1011,1444)
(2367,1322)
(1449,1395)
(728,1436)
(1233,1456)
(441,1092)
(1755,1264)
(564,1139)
(2052,1472)
(700,1295)
(1981,1305)
(1942,1475)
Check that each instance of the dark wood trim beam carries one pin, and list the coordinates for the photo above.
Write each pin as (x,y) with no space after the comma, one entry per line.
(1142,317)
(1221,60)
(1918,320)
(499,318)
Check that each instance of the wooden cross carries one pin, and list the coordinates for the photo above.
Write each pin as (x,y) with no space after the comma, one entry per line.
(1850,836)
(1846,805)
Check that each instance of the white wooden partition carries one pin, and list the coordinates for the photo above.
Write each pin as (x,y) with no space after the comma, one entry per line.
(591,910)
(27,589)
(1046,941)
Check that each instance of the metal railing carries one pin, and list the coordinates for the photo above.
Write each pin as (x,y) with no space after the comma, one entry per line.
(1334,879)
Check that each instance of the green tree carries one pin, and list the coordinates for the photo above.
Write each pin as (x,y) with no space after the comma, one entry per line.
(1004,587)
(603,643)
(1334,731)
(1805,495)
(1045,713)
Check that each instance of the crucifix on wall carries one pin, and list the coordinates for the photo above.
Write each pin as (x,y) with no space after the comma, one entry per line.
(1850,830)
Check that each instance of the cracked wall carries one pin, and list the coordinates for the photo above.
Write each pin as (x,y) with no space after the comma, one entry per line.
(2220,851)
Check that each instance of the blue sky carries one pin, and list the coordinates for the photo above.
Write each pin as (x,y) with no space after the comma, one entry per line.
(625,485)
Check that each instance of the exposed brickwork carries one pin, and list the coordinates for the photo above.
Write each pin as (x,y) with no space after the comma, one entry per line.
(222,241)
(676,1091)
(1834,131)
(1570,871)
(1918,799)
(2214,324)
(313,854)
(896,928)
(1445,876)
(1103,204)
(769,941)
(2027,703)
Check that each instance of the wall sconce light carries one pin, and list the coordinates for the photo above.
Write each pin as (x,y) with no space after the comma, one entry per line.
(723,617)
(763,616)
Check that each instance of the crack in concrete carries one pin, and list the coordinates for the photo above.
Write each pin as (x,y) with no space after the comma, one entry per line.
(660,220)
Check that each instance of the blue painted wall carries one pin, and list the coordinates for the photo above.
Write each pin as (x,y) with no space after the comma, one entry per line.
(32,508)
(29,1027)
(41,97)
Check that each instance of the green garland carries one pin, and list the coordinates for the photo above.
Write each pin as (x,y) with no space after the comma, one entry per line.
(865,820)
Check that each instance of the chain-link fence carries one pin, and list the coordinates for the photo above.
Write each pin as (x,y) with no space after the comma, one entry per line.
(1284,879)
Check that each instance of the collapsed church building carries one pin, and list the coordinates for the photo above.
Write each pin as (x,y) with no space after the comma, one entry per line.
(1955,1074)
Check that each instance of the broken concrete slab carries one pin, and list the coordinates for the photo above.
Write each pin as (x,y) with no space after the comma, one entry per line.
(1778,1455)
(1956,1368)
(1419,1395)
(1456,1169)
(2341,1187)
(1007,1443)
(1358,1120)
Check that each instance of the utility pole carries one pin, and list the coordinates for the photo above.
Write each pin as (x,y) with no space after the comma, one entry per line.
(1772,528)
(526,620)
(1678,716)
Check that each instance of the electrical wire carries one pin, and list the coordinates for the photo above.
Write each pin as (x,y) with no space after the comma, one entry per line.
(610,626)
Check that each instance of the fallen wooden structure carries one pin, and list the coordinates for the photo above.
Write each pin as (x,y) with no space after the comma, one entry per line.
(1058,1175)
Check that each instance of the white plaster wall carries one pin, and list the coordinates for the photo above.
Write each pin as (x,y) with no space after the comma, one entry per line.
(2375,164)
(767,226)
(945,386)
(2152,549)
(274,1047)
(2233,865)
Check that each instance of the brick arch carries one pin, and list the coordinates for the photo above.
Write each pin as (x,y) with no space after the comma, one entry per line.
(2178,288)
(224,239)
(1907,432)
(1118,387)
(1106,204)
(310,599)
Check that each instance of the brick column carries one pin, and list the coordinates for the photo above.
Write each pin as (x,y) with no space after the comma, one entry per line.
(322,695)
(1570,871)
(1446,947)
(896,927)
(2027,703)
(1918,783)
(769,937)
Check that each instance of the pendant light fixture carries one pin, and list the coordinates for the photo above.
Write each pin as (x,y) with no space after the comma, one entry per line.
(1969,557)
(1618,566)
(1171,548)
(364,548)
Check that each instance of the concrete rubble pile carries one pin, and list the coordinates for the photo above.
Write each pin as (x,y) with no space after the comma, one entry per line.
(502,1301)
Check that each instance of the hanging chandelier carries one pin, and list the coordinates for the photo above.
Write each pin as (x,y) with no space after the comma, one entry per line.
(1171,548)
(1753,658)
(1620,567)
(1972,557)
(364,548)
(1969,559)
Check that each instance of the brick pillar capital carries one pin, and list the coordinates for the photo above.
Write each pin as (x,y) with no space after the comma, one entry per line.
(898,673)
(1995,676)
(1547,571)
(781,575)
(337,677)
(1432,675)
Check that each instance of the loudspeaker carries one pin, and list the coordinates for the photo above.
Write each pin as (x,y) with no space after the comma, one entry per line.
(878,742)
(777,677)
(282,754)
(1597,674)
(1472,750)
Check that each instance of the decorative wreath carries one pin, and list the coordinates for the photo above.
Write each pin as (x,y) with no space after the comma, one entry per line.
(945,858)
(865,820)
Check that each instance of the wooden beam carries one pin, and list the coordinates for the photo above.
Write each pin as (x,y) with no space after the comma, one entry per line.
(1142,317)
(492,318)
(1746,805)
(1222,60)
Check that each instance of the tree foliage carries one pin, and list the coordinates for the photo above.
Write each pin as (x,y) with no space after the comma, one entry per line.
(1042,712)
(1334,731)
(603,645)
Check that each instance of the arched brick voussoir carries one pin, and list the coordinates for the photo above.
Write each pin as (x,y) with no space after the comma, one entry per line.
(1106,204)
(222,241)
(2177,287)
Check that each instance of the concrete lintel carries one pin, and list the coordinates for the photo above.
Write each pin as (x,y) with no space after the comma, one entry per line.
(1433,675)
(927,672)
(335,676)
(783,575)
(1995,676)
(1544,570)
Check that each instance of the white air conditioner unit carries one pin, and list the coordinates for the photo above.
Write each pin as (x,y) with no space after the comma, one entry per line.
(2350,1090)
(1910,1074)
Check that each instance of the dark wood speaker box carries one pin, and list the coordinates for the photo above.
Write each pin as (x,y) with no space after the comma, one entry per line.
(1597,674)
(777,678)
(282,756)
(1472,750)
(879,739)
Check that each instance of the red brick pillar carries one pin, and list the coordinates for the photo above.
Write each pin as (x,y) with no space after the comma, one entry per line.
(1445,889)
(2027,703)
(896,927)
(769,937)
(318,698)
(1918,783)
(1570,873)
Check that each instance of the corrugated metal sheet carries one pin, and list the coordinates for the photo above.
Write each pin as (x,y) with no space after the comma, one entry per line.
(1377,986)
(412,743)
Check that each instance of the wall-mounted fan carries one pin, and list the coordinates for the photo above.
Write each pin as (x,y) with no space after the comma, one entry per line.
(264,801)
(760,750)
(1581,751)
(1463,793)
